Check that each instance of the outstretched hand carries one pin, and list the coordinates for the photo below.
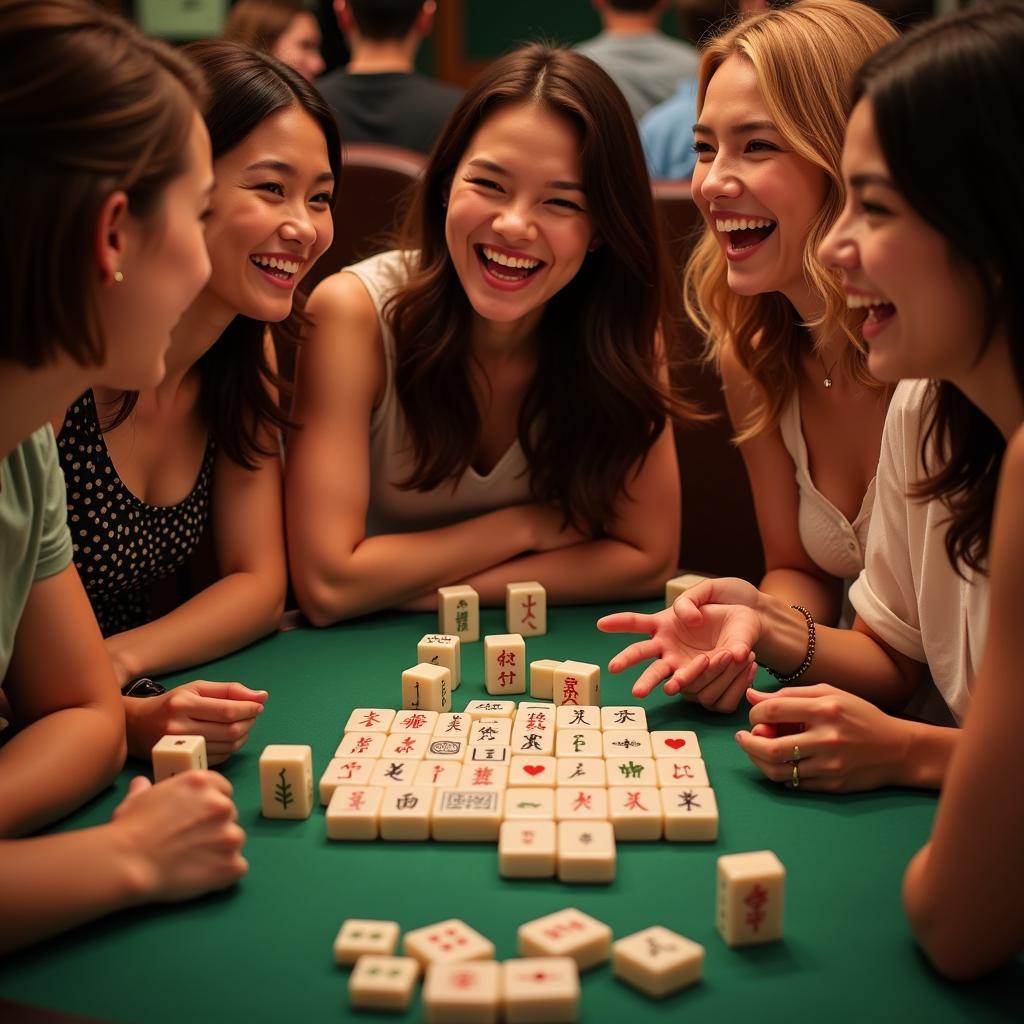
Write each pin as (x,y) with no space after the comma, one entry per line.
(702,646)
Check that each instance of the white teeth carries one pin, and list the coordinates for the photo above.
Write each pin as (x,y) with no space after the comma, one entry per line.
(517,263)
(865,301)
(742,223)
(288,266)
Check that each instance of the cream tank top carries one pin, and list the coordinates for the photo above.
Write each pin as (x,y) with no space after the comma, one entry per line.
(393,509)
(829,538)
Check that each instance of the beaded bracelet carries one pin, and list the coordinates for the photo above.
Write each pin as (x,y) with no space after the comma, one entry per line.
(806,663)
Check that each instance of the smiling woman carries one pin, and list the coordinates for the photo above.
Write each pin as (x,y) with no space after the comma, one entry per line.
(773,103)
(144,469)
(490,402)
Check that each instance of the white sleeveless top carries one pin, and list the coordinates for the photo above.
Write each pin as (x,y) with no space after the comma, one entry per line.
(393,509)
(831,541)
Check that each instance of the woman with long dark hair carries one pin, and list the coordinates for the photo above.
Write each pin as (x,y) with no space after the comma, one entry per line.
(928,248)
(146,471)
(489,403)
(108,161)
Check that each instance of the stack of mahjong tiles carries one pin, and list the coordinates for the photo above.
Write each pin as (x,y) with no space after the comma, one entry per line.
(556,787)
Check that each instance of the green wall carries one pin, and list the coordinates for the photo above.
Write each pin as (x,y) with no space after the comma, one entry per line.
(492,28)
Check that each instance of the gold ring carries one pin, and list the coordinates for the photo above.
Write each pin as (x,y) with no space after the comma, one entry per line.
(796,755)
(795,782)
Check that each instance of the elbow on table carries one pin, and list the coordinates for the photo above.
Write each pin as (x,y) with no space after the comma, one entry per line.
(324,602)
(655,567)
(952,955)
(950,945)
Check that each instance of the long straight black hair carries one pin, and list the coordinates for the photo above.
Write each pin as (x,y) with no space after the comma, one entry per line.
(238,384)
(957,83)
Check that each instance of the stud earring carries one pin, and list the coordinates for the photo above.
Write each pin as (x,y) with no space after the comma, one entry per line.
(118,276)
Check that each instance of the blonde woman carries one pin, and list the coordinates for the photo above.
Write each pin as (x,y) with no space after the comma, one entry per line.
(773,102)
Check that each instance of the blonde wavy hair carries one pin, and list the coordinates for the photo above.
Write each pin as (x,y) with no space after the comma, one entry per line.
(805,57)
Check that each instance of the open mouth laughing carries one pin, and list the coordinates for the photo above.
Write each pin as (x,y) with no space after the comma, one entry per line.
(880,310)
(282,270)
(507,267)
(745,233)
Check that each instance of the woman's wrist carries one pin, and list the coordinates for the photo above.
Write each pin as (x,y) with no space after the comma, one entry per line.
(120,657)
(139,746)
(135,881)
(926,754)
(783,641)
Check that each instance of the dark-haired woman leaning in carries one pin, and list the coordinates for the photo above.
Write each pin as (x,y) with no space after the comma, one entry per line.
(490,402)
(946,281)
(144,471)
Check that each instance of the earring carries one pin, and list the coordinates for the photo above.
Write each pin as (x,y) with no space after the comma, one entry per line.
(118,276)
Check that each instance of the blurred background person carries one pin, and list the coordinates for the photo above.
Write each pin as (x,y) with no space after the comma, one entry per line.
(644,62)
(377,96)
(666,130)
(286,29)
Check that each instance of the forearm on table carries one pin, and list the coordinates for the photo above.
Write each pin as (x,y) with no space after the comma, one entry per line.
(228,615)
(819,596)
(57,763)
(389,570)
(594,570)
(846,658)
(49,884)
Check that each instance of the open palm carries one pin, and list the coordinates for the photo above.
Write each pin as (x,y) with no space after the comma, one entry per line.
(702,646)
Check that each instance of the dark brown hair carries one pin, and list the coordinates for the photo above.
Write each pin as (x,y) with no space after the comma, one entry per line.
(959,79)
(246,87)
(383,20)
(88,107)
(600,332)
(260,23)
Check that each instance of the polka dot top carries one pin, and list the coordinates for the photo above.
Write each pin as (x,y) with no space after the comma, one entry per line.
(121,544)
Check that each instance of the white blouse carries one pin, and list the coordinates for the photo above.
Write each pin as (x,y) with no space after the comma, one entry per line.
(831,541)
(908,593)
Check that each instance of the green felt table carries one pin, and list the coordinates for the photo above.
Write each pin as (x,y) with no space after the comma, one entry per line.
(262,952)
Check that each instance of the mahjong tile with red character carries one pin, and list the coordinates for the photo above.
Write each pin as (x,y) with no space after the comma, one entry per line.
(682,771)
(422,723)
(370,720)
(534,719)
(438,773)
(341,771)
(490,775)
(567,932)
(405,745)
(361,744)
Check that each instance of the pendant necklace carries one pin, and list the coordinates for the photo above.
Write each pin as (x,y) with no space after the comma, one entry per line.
(828,371)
